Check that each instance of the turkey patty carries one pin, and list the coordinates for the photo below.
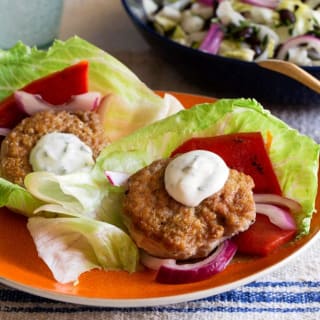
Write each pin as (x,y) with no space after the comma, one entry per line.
(166,228)
(17,145)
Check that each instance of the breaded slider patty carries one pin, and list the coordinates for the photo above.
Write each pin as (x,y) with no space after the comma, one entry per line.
(17,145)
(166,228)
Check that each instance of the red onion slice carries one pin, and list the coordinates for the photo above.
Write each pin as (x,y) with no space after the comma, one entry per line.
(212,41)
(30,103)
(88,101)
(297,41)
(33,103)
(4,131)
(279,217)
(154,263)
(266,198)
(185,273)
(271,4)
(117,178)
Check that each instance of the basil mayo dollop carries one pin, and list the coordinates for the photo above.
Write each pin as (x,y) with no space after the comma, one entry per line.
(61,153)
(193,176)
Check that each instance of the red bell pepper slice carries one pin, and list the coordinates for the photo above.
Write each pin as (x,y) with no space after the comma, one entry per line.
(245,152)
(56,88)
(262,237)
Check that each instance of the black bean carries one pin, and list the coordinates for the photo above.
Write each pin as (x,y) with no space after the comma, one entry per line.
(313,54)
(287,17)
(215,5)
(257,49)
(245,33)
(254,40)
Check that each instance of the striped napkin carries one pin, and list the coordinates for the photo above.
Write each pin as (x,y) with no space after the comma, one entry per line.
(291,292)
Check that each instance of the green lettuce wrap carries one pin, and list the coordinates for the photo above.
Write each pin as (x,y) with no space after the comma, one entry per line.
(295,157)
(130,97)
(78,198)
(126,97)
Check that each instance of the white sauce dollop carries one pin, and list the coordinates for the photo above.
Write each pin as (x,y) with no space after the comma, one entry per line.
(194,176)
(61,153)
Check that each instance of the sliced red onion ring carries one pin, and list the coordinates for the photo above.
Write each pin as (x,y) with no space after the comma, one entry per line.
(279,217)
(33,103)
(154,263)
(4,131)
(297,41)
(117,178)
(271,4)
(84,102)
(185,273)
(266,198)
(212,41)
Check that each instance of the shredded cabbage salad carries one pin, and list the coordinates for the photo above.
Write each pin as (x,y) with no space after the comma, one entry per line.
(250,30)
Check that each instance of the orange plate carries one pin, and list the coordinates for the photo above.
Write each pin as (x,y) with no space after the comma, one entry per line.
(22,269)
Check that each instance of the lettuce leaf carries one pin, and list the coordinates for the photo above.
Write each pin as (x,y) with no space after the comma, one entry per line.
(76,193)
(294,156)
(17,198)
(21,64)
(71,246)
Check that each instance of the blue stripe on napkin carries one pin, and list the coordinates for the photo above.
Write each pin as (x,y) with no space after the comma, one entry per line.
(79,309)
(230,296)
(305,300)
(310,284)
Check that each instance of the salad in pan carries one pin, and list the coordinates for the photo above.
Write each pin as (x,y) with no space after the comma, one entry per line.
(250,30)
(111,175)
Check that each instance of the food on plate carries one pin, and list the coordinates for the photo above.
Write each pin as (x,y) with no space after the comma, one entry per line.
(241,129)
(248,153)
(48,112)
(167,228)
(18,145)
(120,202)
(248,30)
